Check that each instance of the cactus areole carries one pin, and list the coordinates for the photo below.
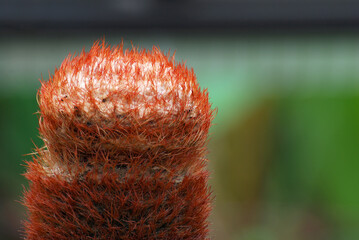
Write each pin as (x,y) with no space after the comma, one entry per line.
(125,141)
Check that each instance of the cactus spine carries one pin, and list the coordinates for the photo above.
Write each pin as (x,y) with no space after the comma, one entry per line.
(125,140)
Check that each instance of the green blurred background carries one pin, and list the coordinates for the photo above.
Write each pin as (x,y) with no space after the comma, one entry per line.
(284,152)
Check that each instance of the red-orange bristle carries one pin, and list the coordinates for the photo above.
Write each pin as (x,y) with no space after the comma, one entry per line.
(125,134)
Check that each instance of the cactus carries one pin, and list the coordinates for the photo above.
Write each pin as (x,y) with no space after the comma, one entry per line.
(125,137)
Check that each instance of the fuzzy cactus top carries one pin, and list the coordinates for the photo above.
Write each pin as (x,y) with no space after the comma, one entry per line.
(125,136)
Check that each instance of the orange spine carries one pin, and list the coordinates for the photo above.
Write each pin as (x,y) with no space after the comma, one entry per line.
(125,136)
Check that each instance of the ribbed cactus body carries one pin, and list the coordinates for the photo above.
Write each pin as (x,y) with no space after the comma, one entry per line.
(125,136)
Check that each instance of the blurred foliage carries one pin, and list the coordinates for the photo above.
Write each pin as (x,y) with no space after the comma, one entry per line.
(18,126)
(318,157)
(289,168)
